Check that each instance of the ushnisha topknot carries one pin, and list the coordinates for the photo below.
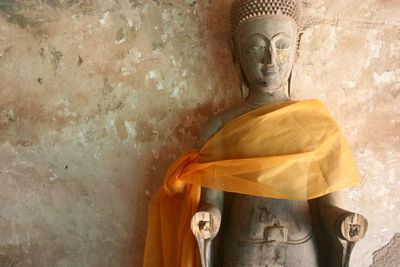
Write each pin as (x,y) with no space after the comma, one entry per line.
(244,10)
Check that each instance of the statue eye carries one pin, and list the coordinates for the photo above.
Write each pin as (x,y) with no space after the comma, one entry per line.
(257,47)
(282,44)
(256,44)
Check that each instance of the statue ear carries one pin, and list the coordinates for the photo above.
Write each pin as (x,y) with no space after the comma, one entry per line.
(299,35)
(289,84)
(243,90)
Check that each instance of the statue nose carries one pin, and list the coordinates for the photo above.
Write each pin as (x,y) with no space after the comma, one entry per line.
(268,58)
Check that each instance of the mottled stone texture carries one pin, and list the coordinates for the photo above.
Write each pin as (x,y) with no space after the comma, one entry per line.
(98,97)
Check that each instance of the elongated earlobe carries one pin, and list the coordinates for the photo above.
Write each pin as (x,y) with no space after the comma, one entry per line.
(243,87)
(289,84)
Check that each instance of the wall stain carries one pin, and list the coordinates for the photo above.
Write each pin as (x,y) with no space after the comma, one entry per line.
(110,105)
(56,4)
(120,34)
(79,61)
(41,52)
(8,5)
(6,261)
(145,132)
(157,45)
(107,86)
(121,129)
(19,19)
(31,13)
(55,58)
(127,32)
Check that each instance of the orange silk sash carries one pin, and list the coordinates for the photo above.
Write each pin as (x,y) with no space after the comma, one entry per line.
(287,150)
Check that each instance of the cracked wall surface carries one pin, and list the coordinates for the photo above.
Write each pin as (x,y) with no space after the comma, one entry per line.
(97,99)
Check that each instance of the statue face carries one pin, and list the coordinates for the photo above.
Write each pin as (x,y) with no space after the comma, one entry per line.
(267,48)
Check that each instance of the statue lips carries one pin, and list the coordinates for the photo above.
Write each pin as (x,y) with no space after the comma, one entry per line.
(270,72)
(269,69)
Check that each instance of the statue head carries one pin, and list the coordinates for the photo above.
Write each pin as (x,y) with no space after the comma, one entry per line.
(265,36)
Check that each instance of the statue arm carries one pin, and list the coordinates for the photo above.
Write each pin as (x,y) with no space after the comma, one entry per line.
(209,196)
(337,230)
(206,222)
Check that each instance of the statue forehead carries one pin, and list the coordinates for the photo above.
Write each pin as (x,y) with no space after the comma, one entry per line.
(267,26)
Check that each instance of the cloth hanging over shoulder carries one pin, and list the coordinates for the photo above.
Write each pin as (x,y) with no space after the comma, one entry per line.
(287,150)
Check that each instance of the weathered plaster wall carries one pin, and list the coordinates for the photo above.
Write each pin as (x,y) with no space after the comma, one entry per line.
(98,97)
(350,59)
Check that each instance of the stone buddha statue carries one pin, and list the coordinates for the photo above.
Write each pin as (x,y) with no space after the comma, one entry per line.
(241,230)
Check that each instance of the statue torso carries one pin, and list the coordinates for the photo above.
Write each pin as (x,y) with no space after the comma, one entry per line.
(263,231)
(268,232)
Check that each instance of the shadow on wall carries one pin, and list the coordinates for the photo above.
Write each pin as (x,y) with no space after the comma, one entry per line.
(156,165)
(220,66)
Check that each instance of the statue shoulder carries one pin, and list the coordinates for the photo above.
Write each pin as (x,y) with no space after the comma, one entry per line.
(213,125)
(210,128)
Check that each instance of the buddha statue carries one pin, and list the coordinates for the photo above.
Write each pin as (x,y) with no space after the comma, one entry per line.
(246,230)
(263,189)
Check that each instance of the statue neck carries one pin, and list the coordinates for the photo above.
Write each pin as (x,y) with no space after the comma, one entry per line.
(258,98)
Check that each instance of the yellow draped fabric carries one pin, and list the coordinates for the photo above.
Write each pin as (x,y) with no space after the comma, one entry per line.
(288,150)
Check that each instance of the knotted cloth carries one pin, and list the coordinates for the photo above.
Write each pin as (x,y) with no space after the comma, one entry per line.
(287,150)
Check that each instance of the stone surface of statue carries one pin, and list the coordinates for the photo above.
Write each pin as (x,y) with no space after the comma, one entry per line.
(261,231)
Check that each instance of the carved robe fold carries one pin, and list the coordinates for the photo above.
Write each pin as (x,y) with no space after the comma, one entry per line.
(287,150)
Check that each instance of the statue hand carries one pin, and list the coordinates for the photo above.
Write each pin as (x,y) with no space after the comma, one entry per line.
(206,222)
(352,226)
